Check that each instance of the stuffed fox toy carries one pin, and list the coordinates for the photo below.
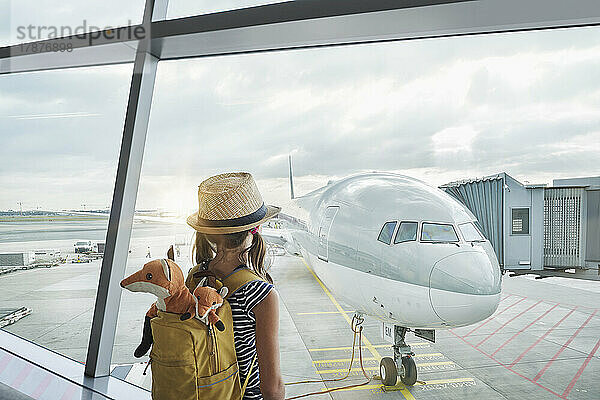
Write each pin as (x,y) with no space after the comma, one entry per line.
(164,279)
(208,300)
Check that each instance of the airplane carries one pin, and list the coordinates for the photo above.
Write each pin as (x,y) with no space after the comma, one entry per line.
(399,250)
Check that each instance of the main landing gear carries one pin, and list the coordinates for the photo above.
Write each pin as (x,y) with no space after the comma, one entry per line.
(403,363)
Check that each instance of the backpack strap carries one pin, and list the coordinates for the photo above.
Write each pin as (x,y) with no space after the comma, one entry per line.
(248,376)
(238,279)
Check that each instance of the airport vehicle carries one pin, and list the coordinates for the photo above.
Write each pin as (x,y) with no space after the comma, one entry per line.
(48,257)
(81,260)
(397,249)
(83,246)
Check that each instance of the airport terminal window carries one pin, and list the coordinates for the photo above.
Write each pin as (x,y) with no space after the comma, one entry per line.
(470,233)
(438,233)
(339,111)
(520,221)
(61,134)
(387,231)
(407,231)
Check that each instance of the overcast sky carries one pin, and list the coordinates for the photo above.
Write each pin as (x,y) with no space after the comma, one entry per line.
(440,110)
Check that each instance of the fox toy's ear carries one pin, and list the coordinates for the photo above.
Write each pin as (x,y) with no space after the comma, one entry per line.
(166,269)
(202,283)
(223,291)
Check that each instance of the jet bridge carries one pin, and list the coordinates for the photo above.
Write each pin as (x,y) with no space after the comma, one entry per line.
(549,231)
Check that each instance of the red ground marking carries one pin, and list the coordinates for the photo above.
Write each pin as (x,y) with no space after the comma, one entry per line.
(508,368)
(42,387)
(564,346)
(68,394)
(506,323)
(521,331)
(4,362)
(493,316)
(578,374)
(22,376)
(540,338)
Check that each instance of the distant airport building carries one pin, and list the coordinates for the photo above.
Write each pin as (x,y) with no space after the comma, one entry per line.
(536,228)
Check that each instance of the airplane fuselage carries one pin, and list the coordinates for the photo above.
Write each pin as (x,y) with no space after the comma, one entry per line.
(395,248)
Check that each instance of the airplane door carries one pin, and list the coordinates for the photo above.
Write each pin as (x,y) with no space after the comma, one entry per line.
(324,228)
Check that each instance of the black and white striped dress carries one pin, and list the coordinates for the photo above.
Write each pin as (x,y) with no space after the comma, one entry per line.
(244,331)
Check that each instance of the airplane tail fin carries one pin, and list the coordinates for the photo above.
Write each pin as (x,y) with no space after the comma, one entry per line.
(291,178)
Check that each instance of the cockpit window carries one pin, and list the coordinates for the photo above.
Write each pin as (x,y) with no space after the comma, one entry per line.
(470,233)
(407,231)
(438,233)
(387,231)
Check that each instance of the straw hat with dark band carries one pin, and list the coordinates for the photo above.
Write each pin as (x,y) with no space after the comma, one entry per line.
(229,203)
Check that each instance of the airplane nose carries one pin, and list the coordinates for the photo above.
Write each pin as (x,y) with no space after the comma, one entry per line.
(465,287)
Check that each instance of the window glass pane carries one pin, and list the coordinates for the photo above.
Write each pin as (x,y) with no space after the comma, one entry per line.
(30,20)
(186,8)
(387,231)
(520,221)
(407,231)
(61,134)
(438,233)
(470,233)
(349,109)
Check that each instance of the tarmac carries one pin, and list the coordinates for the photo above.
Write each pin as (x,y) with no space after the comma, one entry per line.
(541,343)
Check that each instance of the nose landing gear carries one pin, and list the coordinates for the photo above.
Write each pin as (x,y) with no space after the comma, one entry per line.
(403,363)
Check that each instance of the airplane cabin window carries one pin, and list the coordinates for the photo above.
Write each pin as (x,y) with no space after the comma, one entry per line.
(470,233)
(438,233)
(387,231)
(407,232)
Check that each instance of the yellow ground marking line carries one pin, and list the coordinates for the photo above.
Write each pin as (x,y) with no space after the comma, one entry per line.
(377,346)
(431,364)
(407,395)
(321,312)
(419,383)
(372,358)
(339,360)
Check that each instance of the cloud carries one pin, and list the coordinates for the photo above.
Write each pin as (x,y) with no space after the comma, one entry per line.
(457,139)
(439,110)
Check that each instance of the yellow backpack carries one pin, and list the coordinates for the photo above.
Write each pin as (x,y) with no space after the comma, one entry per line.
(193,361)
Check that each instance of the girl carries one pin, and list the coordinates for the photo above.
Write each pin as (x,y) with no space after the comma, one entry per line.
(226,240)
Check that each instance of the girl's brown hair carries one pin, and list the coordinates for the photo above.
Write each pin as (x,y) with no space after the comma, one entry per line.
(203,251)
